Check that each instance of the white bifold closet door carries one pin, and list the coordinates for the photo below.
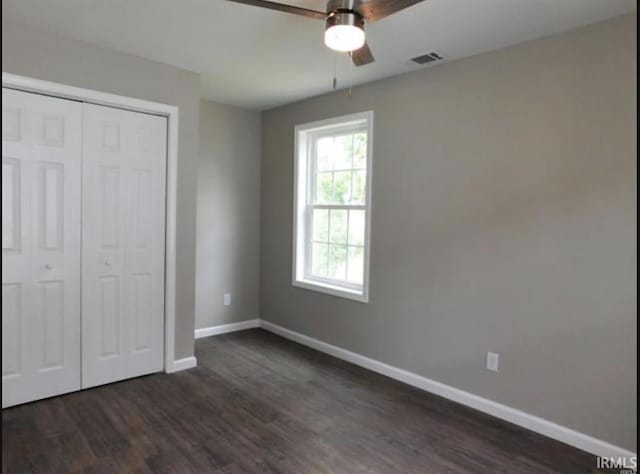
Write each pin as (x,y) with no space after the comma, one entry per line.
(83,245)
(41,208)
(123,242)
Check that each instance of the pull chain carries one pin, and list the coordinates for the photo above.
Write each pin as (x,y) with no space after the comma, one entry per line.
(350,74)
(335,74)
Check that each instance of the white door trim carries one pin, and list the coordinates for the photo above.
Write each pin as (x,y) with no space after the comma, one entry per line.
(28,84)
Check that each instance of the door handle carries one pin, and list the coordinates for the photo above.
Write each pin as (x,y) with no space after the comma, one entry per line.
(48,266)
(108,261)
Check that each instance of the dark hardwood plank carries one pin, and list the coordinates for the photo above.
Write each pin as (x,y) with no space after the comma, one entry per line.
(259,403)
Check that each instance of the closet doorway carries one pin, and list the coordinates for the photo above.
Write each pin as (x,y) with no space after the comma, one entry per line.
(88,228)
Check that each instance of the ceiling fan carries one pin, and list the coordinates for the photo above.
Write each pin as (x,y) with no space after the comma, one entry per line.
(344,21)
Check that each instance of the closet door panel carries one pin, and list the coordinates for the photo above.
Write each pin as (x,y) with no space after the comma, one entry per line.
(41,202)
(123,244)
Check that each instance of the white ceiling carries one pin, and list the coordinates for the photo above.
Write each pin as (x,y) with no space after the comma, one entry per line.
(259,58)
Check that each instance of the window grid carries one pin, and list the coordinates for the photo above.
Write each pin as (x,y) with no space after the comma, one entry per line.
(314,205)
(351,171)
(332,206)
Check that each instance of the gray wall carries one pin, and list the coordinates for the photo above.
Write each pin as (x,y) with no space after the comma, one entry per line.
(504,219)
(32,53)
(228,237)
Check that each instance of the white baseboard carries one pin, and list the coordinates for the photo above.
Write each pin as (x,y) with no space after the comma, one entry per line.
(225,328)
(182,364)
(515,416)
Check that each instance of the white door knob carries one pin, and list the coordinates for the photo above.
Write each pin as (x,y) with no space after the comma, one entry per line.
(48,266)
(108,261)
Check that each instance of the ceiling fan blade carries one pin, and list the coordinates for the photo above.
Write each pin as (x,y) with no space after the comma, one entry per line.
(375,10)
(281,7)
(362,56)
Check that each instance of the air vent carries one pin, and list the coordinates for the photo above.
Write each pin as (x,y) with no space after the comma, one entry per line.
(427,58)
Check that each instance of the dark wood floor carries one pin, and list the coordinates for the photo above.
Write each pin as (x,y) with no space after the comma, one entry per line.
(259,403)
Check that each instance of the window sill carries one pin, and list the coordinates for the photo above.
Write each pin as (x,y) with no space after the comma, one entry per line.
(333,290)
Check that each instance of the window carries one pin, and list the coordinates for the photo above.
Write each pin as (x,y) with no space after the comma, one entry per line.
(332,206)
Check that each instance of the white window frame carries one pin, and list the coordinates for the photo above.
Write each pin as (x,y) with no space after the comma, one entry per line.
(305,137)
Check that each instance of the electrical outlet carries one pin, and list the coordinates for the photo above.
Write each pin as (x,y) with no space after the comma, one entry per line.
(492,361)
(227,299)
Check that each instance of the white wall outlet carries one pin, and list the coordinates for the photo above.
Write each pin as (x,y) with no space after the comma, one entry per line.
(492,361)
(227,299)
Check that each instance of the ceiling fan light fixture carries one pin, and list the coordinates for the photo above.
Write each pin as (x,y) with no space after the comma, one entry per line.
(344,31)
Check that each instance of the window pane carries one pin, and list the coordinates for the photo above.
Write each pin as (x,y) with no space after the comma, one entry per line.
(356,227)
(324,186)
(360,150)
(325,151)
(359,187)
(331,201)
(321,225)
(337,261)
(341,187)
(342,152)
(356,265)
(320,259)
(338,227)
